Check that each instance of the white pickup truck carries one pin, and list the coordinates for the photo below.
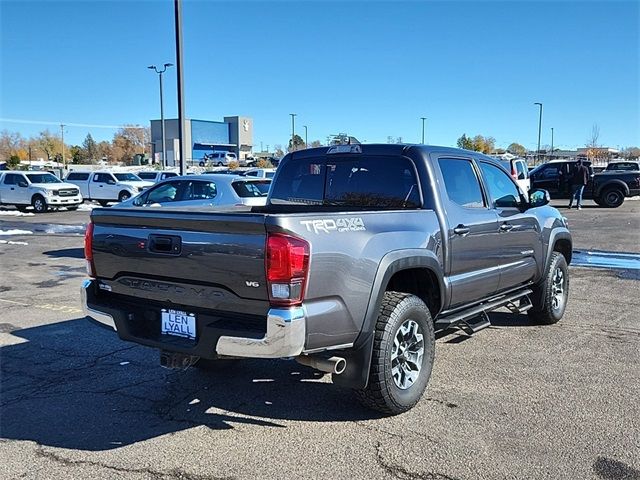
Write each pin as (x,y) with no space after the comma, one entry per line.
(42,190)
(106,187)
(156,176)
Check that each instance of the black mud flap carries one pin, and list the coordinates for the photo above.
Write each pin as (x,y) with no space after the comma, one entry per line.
(356,374)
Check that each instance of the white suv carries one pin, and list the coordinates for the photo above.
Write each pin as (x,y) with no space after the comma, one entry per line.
(41,190)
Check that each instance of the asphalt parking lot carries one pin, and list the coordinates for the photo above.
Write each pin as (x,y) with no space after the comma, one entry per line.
(516,400)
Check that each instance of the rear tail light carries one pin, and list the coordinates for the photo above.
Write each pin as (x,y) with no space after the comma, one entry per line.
(514,172)
(88,250)
(287,267)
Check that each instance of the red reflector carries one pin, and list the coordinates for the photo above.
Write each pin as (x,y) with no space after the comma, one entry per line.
(88,242)
(514,173)
(88,249)
(287,267)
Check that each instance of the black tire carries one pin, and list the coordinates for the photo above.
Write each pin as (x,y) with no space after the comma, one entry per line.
(545,310)
(124,195)
(39,204)
(612,197)
(103,203)
(383,392)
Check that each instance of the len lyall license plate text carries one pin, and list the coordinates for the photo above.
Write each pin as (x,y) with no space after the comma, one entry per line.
(179,323)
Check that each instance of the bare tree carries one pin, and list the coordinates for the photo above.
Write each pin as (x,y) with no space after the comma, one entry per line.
(593,147)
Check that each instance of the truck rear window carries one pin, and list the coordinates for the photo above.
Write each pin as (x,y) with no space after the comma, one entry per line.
(348,181)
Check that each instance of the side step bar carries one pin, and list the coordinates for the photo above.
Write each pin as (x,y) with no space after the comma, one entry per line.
(475,318)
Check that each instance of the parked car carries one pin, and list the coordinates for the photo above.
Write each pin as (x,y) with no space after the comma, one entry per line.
(41,190)
(626,165)
(607,189)
(203,191)
(360,255)
(259,172)
(518,169)
(156,176)
(105,186)
(220,158)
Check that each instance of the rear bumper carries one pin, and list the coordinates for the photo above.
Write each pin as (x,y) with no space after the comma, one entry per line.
(285,332)
(86,295)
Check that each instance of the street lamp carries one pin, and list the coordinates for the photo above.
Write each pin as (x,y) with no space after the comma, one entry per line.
(164,146)
(293,131)
(551,144)
(539,127)
(423,119)
(306,140)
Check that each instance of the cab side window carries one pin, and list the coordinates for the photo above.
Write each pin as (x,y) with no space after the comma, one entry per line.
(102,178)
(502,190)
(461,182)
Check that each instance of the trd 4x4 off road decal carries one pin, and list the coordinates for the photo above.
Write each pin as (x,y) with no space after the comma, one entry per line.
(328,225)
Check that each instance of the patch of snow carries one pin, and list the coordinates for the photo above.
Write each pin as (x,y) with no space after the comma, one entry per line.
(86,207)
(15,213)
(16,232)
(9,242)
(65,229)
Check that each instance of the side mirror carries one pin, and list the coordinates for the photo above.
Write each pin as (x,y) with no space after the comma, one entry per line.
(23,184)
(111,182)
(539,198)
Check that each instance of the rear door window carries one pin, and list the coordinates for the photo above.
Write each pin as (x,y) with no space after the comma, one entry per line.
(198,190)
(380,182)
(247,189)
(461,182)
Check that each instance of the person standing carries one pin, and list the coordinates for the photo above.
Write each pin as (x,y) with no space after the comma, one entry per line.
(579,179)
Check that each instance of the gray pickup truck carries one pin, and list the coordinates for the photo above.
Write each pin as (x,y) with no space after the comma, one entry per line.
(362,254)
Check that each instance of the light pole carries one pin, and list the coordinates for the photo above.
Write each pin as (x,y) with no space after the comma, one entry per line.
(164,145)
(64,164)
(551,144)
(306,141)
(293,131)
(423,119)
(177,4)
(539,128)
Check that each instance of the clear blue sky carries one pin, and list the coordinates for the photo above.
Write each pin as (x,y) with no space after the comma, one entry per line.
(371,69)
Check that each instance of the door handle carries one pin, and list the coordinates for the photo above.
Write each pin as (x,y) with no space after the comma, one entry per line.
(506,227)
(461,230)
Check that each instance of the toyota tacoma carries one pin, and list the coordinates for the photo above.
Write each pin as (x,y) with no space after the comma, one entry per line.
(361,254)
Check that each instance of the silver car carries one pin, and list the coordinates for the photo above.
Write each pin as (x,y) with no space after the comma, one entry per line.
(210,190)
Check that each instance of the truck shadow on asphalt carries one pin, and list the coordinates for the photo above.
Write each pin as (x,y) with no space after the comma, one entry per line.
(66,253)
(74,385)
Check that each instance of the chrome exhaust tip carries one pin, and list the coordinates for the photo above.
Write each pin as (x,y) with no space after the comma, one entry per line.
(334,365)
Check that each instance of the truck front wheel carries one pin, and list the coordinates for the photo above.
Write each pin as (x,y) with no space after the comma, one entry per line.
(124,195)
(403,353)
(550,297)
(39,204)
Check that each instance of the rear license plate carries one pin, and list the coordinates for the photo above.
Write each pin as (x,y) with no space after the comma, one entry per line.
(179,323)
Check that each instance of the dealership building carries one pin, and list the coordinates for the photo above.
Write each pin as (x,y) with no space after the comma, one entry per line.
(233,134)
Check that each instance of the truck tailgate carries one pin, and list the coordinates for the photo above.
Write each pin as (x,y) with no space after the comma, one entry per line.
(211,260)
